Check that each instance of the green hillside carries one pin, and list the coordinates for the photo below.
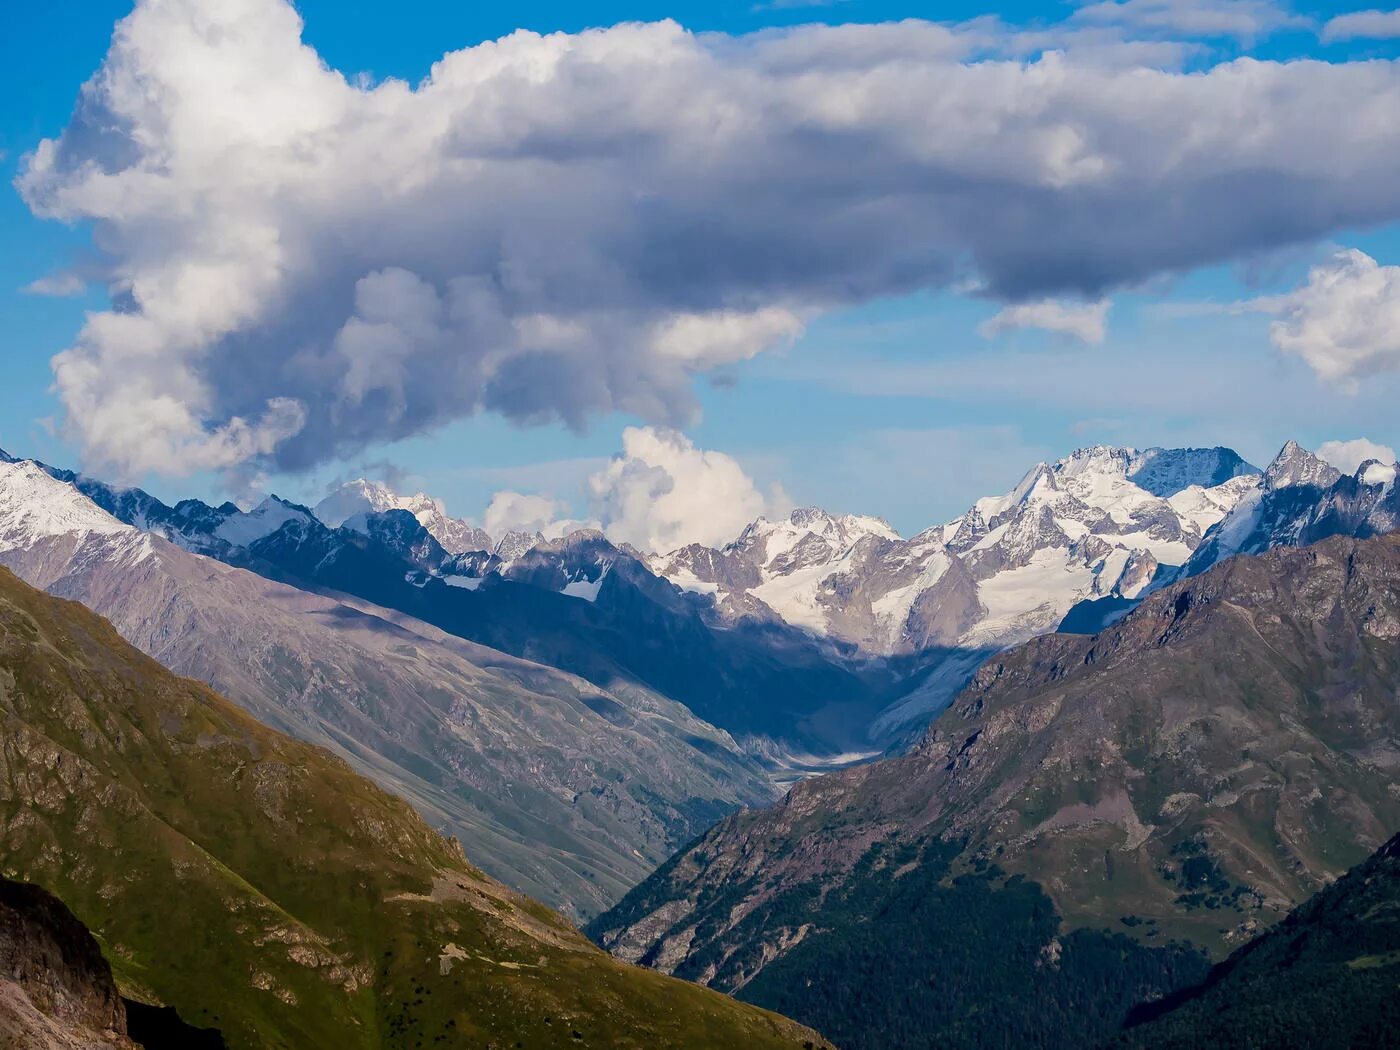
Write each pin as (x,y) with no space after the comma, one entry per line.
(1326,978)
(261,887)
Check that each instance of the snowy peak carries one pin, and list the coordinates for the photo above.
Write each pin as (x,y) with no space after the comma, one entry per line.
(354,500)
(1303,499)
(516,544)
(1296,466)
(245,529)
(1102,521)
(1375,473)
(34,505)
(360,496)
(1165,472)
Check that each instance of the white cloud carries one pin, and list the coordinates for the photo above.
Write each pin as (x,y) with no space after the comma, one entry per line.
(1087,322)
(1347,456)
(1362,25)
(662,493)
(725,336)
(59,285)
(1345,321)
(1201,18)
(521,512)
(559,227)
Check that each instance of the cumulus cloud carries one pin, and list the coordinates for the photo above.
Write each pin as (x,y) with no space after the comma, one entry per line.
(1345,321)
(1347,456)
(1362,25)
(662,493)
(563,226)
(1087,322)
(522,512)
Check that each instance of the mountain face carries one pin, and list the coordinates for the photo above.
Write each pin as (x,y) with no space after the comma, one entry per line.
(1325,978)
(258,885)
(1102,522)
(557,787)
(1181,779)
(358,498)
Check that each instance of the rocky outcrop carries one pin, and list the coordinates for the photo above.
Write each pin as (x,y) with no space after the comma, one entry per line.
(56,989)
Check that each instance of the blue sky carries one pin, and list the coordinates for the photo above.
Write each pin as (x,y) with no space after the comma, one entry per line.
(893,404)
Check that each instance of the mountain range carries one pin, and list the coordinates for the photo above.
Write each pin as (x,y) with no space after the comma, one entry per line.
(1091,813)
(534,654)
(565,790)
(1148,744)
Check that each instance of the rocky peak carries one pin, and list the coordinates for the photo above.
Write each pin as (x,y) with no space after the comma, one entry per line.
(1097,459)
(1296,466)
(355,498)
(516,543)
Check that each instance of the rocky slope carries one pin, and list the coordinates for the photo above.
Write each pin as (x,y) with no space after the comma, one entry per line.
(1190,774)
(1325,978)
(56,989)
(560,788)
(260,886)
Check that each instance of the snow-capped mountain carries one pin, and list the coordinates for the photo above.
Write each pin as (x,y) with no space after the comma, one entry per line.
(1101,521)
(1301,499)
(348,504)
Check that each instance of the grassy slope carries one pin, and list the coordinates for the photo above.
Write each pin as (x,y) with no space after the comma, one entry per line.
(261,887)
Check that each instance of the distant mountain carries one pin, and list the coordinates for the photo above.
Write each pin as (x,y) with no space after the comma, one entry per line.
(1102,522)
(580,604)
(1297,500)
(558,787)
(853,636)
(356,499)
(1326,978)
(1182,780)
(259,886)
(1302,499)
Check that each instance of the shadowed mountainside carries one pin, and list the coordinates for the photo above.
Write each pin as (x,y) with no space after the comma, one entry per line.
(1187,775)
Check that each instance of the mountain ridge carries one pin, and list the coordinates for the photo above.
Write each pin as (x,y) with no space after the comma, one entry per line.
(1186,776)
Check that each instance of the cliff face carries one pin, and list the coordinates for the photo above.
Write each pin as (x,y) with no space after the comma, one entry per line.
(56,989)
